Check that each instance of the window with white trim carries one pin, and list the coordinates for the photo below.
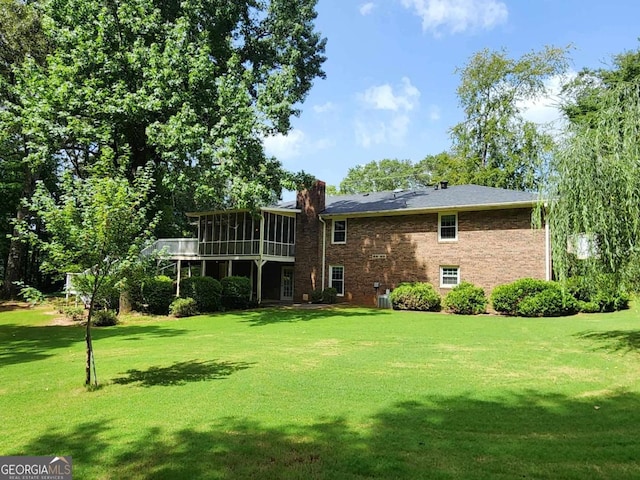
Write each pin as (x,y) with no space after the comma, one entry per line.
(447,227)
(339,234)
(449,276)
(336,278)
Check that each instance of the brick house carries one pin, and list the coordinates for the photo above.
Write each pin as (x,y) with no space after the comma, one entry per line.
(366,244)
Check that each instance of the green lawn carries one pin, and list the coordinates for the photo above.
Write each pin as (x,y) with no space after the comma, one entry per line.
(341,393)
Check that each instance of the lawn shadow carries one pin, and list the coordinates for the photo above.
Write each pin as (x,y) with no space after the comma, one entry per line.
(614,340)
(269,316)
(527,435)
(28,343)
(180,373)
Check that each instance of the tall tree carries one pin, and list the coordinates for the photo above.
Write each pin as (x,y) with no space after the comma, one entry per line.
(386,174)
(495,145)
(98,225)
(595,182)
(192,87)
(21,39)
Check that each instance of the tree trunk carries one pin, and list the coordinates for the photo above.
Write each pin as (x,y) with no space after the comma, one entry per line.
(87,338)
(15,261)
(125,303)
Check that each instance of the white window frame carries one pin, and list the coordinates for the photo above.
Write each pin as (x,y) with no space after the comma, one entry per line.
(331,269)
(447,214)
(333,231)
(442,276)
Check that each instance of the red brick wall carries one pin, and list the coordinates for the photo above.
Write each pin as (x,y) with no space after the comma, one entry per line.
(493,247)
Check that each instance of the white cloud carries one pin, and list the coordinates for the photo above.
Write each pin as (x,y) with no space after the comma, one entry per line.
(325,107)
(458,16)
(391,124)
(367,8)
(434,113)
(382,97)
(285,147)
(295,144)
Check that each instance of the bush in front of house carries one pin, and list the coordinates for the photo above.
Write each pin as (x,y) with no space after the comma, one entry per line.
(104,318)
(157,294)
(466,299)
(236,292)
(529,297)
(600,294)
(206,291)
(329,295)
(316,296)
(183,307)
(415,296)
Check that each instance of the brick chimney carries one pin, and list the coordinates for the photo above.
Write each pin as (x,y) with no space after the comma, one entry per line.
(312,200)
(308,266)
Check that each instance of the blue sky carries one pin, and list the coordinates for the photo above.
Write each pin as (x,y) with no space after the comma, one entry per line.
(390,90)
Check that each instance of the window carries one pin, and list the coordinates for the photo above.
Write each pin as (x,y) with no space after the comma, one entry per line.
(449,277)
(336,279)
(339,231)
(447,227)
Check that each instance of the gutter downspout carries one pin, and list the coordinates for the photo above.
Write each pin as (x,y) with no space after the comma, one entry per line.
(547,247)
(324,246)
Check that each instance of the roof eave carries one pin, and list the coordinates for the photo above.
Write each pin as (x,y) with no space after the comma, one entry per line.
(457,208)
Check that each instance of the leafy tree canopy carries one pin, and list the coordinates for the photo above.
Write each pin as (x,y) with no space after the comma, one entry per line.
(595,186)
(494,145)
(387,174)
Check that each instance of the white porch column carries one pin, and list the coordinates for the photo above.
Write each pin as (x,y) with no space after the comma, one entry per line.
(178,278)
(230,268)
(203,268)
(260,263)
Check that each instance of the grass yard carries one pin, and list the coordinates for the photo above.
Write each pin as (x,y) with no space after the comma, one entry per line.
(343,393)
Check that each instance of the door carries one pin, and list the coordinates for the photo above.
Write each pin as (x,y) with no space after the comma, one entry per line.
(286,284)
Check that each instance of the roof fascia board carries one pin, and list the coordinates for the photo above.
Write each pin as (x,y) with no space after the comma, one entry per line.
(416,211)
(290,211)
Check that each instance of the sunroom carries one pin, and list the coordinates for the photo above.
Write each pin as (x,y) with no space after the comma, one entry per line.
(260,246)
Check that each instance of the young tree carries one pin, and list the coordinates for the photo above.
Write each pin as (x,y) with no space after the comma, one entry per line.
(595,186)
(98,225)
(495,144)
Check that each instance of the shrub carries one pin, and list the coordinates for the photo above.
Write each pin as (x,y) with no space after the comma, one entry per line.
(236,292)
(206,291)
(30,294)
(466,299)
(548,303)
(529,297)
(104,318)
(74,313)
(588,307)
(415,296)
(316,296)
(602,291)
(157,294)
(506,298)
(329,295)
(183,307)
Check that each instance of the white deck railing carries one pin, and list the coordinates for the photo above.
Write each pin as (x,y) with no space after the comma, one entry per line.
(173,247)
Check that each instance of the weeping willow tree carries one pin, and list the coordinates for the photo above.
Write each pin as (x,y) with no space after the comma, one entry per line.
(595,185)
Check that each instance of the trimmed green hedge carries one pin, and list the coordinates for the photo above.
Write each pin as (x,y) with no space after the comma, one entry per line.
(206,291)
(415,296)
(529,297)
(236,292)
(466,299)
(183,307)
(157,294)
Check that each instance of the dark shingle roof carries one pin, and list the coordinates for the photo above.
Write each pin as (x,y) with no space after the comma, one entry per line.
(453,197)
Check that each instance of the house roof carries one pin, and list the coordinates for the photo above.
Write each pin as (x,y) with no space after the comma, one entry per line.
(456,197)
